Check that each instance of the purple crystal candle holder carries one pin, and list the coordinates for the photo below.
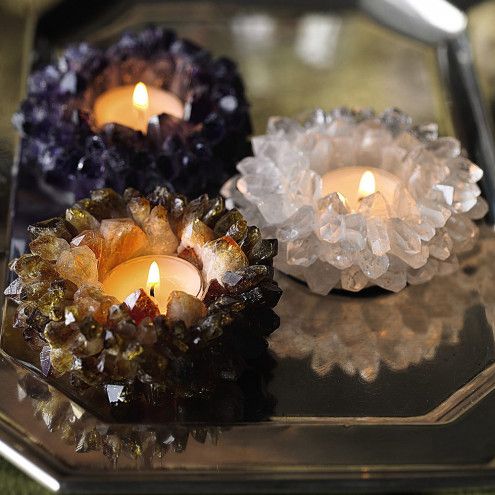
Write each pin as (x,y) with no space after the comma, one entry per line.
(80,330)
(196,154)
(411,224)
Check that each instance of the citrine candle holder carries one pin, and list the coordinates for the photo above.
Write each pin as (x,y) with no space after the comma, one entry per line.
(79,330)
(405,221)
(71,153)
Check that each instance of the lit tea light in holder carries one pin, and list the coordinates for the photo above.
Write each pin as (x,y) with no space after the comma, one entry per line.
(158,275)
(356,183)
(129,114)
(153,276)
(133,106)
(357,200)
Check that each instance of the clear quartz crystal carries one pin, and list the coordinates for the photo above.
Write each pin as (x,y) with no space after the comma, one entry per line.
(298,225)
(321,277)
(371,265)
(353,279)
(387,239)
(376,231)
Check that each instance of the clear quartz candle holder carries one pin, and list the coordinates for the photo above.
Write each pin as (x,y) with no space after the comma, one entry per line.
(386,240)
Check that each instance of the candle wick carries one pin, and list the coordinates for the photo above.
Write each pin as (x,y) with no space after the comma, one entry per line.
(152,291)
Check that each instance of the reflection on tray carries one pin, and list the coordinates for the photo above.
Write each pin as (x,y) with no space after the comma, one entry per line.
(359,334)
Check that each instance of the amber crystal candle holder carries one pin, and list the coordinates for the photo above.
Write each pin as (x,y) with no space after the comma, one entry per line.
(72,153)
(79,330)
(357,199)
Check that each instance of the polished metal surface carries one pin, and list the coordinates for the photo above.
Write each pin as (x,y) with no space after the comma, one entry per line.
(440,24)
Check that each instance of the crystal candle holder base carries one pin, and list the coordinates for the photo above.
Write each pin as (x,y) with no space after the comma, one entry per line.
(388,238)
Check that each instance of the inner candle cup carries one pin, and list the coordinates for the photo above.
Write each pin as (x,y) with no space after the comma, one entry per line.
(175,274)
(353,184)
(133,106)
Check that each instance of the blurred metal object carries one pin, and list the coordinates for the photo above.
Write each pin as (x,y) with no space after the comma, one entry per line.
(439,23)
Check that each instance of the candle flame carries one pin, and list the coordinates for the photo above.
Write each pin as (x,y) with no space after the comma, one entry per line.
(140,99)
(366,184)
(153,282)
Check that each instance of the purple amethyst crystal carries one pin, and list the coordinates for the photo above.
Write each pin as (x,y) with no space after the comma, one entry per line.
(64,148)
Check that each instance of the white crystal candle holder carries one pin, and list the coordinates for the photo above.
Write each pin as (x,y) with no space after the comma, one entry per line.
(357,200)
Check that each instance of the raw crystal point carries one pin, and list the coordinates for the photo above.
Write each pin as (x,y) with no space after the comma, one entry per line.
(321,277)
(479,210)
(92,301)
(231,224)
(184,307)
(353,279)
(79,265)
(245,279)
(353,237)
(371,265)
(404,206)
(108,201)
(220,256)
(57,227)
(298,225)
(53,300)
(303,251)
(161,238)
(441,245)
(395,279)
(336,255)
(48,247)
(406,244)
(464,170)
(263,252)
(31,267)
(81,219)
(141,306)
(194,235)
(123,240)
(434,213)
(330,206)
(423,274)
(14,289)
(463,232)
(374,205)
(306,187)
(377,235)
(444,147)
(91,238)
(139,208)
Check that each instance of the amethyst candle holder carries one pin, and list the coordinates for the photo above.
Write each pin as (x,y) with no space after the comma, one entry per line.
(71,156)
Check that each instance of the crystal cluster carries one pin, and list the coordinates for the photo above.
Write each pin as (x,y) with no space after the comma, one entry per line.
(191,155)
(64,313)
(230,377)
(225,383)
(386,243)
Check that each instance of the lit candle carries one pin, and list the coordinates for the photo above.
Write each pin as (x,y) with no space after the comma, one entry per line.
(133,106)
(355,183)
(158,275)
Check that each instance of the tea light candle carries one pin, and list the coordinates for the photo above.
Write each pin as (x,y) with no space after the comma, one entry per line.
(158,275)
(355,183)
(133,106)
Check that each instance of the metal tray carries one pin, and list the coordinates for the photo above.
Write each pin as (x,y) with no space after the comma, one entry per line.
(370,390)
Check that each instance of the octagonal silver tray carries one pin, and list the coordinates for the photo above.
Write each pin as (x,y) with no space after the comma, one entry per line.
(373,389)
